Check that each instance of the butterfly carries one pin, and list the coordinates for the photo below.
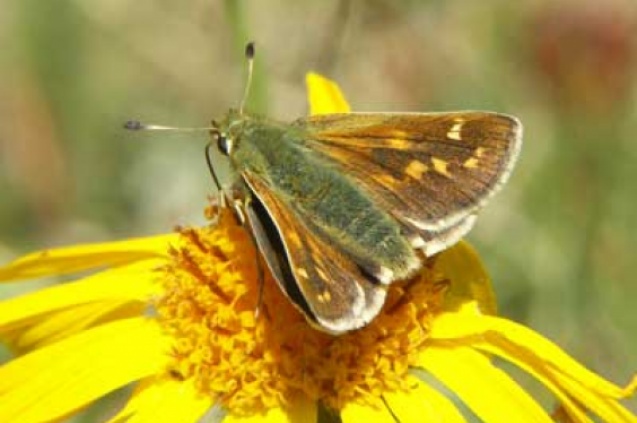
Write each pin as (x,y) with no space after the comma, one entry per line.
(343,205)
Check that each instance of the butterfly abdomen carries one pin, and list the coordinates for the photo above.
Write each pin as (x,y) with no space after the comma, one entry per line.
(348,217)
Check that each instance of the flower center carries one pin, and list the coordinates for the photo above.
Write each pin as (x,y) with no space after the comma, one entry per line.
(250,364)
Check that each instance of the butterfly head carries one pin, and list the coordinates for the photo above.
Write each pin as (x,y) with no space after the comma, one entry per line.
(225,144)
(225,133)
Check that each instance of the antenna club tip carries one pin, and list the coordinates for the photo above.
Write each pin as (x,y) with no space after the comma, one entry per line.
(134,125)
(250,50)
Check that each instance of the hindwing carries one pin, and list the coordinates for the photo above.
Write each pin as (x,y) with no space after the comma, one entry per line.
(334,292)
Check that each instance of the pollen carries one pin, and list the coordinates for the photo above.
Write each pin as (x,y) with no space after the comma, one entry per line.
(250,362)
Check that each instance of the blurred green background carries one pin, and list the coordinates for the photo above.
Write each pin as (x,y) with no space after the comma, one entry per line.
(558,240)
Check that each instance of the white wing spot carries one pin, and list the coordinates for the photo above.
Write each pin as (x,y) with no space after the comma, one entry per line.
(454,132)
(321,273)
(302,272)
(325,297)
(440,166)
(471,163)
(416,168)
(398,143)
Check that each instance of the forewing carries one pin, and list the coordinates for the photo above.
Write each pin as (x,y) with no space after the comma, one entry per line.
(432,171)
(337,295)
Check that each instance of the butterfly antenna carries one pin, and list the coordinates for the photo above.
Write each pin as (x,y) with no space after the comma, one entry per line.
(250,59)
(135,125)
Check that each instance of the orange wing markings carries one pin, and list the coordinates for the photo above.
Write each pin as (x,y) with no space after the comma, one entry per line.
(450,128)
(391,182)
(420,165)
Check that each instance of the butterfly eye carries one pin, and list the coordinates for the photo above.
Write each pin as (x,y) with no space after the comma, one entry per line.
(224,144)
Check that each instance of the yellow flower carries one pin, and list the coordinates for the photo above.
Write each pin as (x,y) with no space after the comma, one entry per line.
(175,314)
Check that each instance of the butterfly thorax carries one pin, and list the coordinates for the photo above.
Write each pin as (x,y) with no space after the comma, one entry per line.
(323,198)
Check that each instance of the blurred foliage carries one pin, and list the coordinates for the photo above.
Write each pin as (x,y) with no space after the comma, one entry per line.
(557,240)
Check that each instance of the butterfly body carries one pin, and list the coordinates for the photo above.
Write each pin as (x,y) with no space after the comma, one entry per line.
(317,190)
(343,205)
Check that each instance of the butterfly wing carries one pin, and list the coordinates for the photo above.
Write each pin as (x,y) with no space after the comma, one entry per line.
(325,284)
(431,171)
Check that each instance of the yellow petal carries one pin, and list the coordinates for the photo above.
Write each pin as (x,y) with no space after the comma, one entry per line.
(65,260)
(63,377)
(423,404)
(574,396)
(357,413)
(608,410)
(165,400)
(489,392)
(324,95)
(573,408)
(469,279)
(132,282)
(56,326)
(540,357)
